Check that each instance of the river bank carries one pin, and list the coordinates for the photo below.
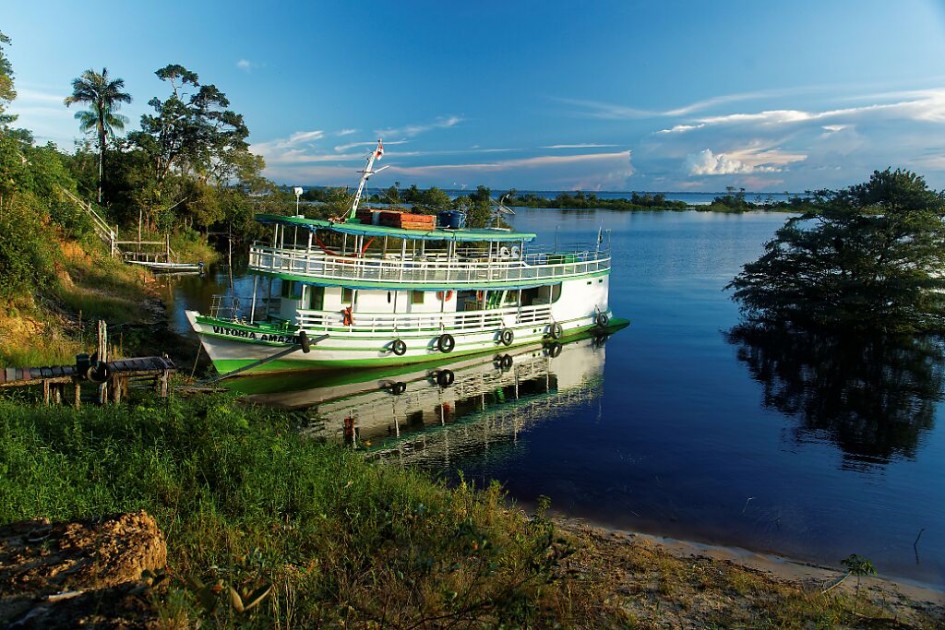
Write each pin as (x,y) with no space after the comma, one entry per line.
(243,501)
(113,572)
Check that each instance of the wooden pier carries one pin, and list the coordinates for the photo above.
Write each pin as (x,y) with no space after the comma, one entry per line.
(111,379)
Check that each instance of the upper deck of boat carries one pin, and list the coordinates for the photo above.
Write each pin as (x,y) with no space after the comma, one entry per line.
(375,256)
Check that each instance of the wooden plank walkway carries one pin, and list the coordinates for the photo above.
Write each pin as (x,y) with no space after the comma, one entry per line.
(118,375)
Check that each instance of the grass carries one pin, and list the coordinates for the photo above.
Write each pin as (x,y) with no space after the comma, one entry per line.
(244,499)
(316,536)
(59,322)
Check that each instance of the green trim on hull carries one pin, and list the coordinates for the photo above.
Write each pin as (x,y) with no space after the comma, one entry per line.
(225,366)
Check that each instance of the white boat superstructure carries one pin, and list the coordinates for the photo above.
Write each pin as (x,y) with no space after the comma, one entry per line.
(385,287)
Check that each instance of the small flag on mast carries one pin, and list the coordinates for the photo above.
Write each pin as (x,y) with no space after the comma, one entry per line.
(380,150)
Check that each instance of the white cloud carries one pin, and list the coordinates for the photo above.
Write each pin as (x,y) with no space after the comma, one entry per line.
(744,161)
(707,163)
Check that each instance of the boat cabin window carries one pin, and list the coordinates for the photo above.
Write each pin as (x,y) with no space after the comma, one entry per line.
(347,295)
(316,298)
(541,295)
(416,297)
(291,289)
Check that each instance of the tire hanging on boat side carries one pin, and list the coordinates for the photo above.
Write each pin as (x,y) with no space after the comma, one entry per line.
(445,343)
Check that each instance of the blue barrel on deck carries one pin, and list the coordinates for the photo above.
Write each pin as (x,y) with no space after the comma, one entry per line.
(452,219)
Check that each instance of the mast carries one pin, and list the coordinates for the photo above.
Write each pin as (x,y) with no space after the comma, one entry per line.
(376,154)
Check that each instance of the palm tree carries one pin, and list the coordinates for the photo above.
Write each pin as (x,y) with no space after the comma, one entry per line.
(104,97)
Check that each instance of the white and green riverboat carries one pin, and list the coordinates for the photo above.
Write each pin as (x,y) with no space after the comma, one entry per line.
(363,293)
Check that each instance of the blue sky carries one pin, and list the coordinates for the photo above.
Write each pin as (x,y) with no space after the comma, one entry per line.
(556,95)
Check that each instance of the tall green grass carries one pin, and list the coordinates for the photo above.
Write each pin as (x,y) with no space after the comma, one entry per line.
(243,498)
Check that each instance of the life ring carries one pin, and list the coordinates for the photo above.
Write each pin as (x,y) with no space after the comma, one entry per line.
(398,347)
(346,317)
(505,362)
(555,330)
(602,320)
(398,388)
(445,378)
(445,343)
(507,336)
(444,296)
(554,350)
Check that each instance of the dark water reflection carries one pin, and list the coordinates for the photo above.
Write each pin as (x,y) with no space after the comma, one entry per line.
(872,397)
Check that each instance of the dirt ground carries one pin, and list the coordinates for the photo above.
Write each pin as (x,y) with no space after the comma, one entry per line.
(63,575)
(664,583)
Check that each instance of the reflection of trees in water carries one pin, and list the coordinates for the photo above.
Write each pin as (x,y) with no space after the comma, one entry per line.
(873,397)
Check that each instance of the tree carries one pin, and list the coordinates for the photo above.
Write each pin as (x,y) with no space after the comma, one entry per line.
(7,93)
(477,206)
(192,141)
(194,134)
(104,97)
(869,257)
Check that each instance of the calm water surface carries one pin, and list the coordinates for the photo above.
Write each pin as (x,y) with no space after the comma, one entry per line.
(779,447)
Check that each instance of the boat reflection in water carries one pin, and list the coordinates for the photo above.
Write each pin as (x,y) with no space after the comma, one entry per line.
(432,416)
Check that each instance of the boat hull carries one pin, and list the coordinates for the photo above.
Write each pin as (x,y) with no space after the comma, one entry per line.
(234,346)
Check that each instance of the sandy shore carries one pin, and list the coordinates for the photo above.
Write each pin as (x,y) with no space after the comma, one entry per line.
(666,582)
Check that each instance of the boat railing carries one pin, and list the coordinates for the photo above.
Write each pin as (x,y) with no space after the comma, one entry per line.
(238,308)
(452,321)
(453,273)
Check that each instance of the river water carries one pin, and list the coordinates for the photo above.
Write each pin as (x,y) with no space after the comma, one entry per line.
(807,447)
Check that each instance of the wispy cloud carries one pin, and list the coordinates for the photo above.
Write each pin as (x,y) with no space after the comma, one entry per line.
(615,111)
(590,171)
(580,146)
(297,139)
(247,66)
(411,131)
(927,105)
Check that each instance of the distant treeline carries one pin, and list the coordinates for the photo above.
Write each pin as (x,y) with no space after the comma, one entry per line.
(733,201)
(435,199)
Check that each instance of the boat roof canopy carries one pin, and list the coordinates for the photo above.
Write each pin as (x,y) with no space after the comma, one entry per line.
(436,234)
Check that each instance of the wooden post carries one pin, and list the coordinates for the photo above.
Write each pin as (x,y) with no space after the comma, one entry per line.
(77,388)
(102,358)
(46,392)
(161,383)
(167,244)
(118,384)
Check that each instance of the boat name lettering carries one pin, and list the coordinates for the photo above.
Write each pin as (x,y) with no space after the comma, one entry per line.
(249,334)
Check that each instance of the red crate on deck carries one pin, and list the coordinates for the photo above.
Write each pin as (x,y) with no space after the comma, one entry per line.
(407,220)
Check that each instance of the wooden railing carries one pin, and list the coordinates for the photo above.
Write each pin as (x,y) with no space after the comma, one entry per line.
(103,230)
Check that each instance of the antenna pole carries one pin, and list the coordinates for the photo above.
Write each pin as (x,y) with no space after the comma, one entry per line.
(366,174)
